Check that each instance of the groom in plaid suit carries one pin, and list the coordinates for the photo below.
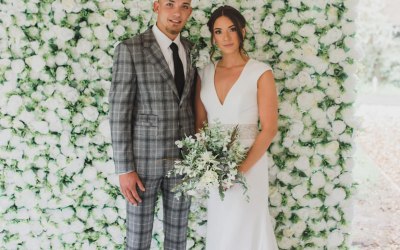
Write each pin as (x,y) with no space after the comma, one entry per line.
(151,106)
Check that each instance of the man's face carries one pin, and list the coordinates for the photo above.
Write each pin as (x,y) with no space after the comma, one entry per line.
(172,16)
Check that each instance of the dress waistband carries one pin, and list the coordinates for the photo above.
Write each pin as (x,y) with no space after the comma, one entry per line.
(246,131)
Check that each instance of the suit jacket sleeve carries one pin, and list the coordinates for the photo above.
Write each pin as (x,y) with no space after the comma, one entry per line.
(121,99)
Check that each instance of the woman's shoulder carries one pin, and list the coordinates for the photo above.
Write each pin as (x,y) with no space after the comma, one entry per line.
(205,70)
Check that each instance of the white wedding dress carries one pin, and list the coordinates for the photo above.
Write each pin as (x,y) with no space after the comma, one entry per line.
(235,223)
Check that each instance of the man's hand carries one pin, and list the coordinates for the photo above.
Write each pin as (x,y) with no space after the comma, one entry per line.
(128,183)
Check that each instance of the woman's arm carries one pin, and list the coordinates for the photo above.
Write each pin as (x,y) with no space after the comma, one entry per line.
(268,111)
(200,111)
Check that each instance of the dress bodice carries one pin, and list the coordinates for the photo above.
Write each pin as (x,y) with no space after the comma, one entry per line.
(240,104)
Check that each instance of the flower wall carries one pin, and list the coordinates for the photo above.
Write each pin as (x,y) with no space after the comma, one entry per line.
(57,184)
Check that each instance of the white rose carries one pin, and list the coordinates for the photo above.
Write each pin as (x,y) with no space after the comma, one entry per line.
(110,214)
(296,128)
(199,16)
(54,121)
(318,180)
(319,64)
(68,5)
(17,66)
(318,226)
(285,46)
(334,213)
(90,173)
(74,166)
(70,94)
(333,92)
(332,14)
(287,109)
(100,197)
(295,3)
(287,142)
(90,113)
(338,127)
(116,234)
(314,203)
(303,164)
(303,213)
(335,197)
(14,104)
(40,127)
(77,226)
(299,228)
(201,4)
(5,135)
(286,243)
(36,63)
(335,239)
(346,179)
(52,103)
(285,177)
(275,197)
(61,58)
(110,15)
(26,198)
(105,61)
(29,177)
(104,129)
(269,23)
(5,203)
(277,5)
(101,32)
(299,191)
(69,238)
(321,21)
(337,55)
(331,36)
(331,148)
(63,34)
(307,30)
(82,213)
(118,31)
(287,29)
(308,50)
(22,229)
(86,32)
(83,46)
(205,32)
(306,101)
(61,74)
(304,79)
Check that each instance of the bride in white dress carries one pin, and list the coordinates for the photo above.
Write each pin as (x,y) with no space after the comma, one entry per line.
(237,90)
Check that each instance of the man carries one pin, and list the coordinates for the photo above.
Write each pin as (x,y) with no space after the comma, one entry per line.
(151,106)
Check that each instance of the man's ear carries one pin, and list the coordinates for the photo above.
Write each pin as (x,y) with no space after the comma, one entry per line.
(156,6)
(244,32)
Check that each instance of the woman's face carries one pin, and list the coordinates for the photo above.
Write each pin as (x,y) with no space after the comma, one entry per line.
(226,36)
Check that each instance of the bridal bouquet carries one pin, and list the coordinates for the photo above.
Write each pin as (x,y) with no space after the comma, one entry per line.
(209,160)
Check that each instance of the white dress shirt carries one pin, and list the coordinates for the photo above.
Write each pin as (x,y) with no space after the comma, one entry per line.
(164,43)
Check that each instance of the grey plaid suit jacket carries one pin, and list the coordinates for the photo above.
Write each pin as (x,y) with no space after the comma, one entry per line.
(146,114)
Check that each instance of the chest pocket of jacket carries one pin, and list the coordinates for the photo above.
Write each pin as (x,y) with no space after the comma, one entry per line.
(146,124)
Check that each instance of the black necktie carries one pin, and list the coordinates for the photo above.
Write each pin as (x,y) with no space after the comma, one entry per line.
(178,66)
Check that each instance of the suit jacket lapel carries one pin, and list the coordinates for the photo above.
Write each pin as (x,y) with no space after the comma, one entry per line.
(189,68)
(156,57)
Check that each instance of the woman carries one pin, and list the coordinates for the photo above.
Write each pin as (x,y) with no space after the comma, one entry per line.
(239,90)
